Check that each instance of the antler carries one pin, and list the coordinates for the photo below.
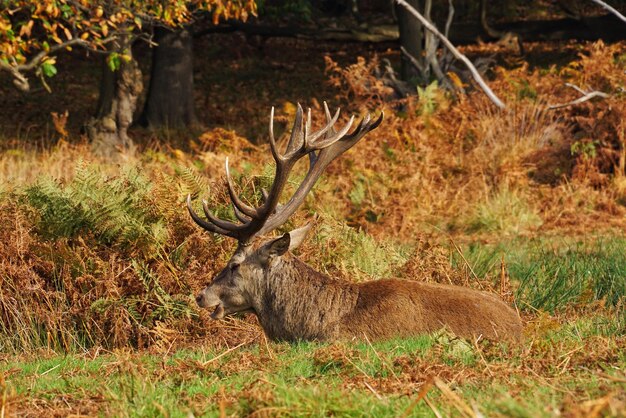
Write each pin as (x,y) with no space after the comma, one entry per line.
(321,146)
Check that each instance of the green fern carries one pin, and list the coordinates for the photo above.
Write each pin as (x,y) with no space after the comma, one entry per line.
(191,182)
(117,210)
(163,304)
(428,98)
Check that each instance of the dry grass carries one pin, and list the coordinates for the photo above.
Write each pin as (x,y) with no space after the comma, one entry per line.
(114,277)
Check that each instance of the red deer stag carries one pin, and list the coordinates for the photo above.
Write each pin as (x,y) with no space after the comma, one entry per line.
(295,302)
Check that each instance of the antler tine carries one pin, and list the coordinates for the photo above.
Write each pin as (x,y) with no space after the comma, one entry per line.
(225,225)
(270,214)
(331,131)
(240,215)
(336,145)
(273,147)
(301,138)
(297,136)
(330,139)
(245,209)
(307,125)
(365,126)
(201,222)
(305,135)
(328,130)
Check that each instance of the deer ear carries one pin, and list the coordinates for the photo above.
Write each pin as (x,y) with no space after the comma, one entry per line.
(289,241)
(277,247)
(298,235)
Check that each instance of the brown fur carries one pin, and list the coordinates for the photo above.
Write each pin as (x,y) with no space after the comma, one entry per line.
(294,302)
(318,307)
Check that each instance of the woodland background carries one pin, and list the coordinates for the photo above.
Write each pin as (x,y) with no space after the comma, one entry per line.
(100,145)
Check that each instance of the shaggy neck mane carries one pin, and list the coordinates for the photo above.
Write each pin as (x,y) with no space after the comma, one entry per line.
(295,301)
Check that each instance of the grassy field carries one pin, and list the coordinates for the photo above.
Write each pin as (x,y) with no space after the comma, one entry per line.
(575,369)
(391,379)
(99,261)
(573,360)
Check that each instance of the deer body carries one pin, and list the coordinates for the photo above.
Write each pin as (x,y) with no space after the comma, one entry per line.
(401,308)
(295,302)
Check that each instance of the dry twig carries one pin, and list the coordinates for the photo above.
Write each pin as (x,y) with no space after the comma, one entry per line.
(463,408)
(411,58)
(230,350)
(420,395)
(587,95)
(455,52)
(611,9)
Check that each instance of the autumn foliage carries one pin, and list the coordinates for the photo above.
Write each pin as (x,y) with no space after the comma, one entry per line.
(31,31)
(98,254)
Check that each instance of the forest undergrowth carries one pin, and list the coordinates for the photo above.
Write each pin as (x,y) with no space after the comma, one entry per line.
(100,259)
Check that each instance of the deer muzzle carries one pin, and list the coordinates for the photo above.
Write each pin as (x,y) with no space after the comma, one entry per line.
(209,301)
(218,313)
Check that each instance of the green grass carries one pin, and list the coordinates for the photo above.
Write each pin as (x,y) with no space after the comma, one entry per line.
(313,379)
(575,274)
(556,274)
(505,212)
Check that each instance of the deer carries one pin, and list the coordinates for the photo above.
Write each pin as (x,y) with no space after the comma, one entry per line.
(294,302)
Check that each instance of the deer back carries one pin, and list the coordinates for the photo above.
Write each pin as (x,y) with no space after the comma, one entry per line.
(395,308)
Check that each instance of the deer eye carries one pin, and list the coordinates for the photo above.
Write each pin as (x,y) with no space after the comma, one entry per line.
(234,268)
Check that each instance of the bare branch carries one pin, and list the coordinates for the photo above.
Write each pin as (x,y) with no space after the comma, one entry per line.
(17,71)
(19,80)
(36,60)
(575,87)
(485,23)
(588,95)
(611,9)
(411,58)
(450,18)
(455,52)
(431,45)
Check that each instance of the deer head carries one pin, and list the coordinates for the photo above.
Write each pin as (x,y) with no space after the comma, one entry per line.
(235,287)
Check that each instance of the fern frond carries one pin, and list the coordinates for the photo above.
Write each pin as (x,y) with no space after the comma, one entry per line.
(192,182)
(117,211)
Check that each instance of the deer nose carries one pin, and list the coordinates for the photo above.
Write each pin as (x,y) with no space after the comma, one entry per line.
(199,299)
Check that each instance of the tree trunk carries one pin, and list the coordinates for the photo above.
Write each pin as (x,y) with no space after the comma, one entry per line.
(119,90)
(411,38)
(170,101)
